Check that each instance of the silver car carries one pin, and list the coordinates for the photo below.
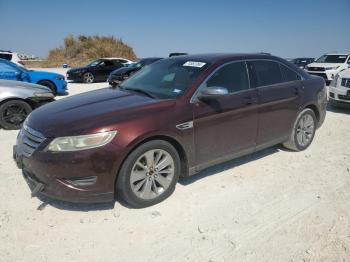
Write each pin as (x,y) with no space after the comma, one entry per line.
(18,99)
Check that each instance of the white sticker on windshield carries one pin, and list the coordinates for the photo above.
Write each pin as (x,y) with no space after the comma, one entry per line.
(177,91)
(194,64)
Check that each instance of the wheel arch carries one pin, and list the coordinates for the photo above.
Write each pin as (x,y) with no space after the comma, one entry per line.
(47,80)
(27,100)
(315,109)
(174,142)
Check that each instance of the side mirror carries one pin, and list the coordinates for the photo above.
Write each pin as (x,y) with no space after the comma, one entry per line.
(213,92)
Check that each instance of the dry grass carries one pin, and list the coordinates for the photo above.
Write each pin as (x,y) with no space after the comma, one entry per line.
(80,50)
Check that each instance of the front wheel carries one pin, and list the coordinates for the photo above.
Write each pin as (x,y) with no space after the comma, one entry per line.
(50,85)
(303,131)
(13,113)
(149,174)
(88,78)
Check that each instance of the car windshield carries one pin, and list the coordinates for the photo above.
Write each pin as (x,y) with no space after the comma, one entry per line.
(168,78)
(94,63)
(339,59)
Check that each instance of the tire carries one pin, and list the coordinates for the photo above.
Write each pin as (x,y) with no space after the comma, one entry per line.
(13,113)
(50,85)
(88,78)
(303,131)
(140,184)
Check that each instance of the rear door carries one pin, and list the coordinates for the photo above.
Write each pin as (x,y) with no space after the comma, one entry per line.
(9,72)
(227,125)
(279,90)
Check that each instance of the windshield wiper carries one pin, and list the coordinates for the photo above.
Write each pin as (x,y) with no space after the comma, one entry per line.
(138,90)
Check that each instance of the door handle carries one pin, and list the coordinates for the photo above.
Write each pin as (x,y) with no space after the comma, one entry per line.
(296,90)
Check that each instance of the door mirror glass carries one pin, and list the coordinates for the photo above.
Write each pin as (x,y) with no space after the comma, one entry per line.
(213,92)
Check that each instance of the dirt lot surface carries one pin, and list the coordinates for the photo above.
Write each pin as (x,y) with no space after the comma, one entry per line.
(274,205)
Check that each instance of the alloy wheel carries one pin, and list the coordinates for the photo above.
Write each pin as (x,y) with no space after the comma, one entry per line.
(88,77)
(152,174)
(305,130)
(14,114)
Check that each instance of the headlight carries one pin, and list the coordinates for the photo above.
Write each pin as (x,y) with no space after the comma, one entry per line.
(331,68)
(76,143)
(44,94)
(59,77)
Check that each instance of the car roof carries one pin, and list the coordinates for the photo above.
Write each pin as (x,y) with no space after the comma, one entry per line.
(111,58)
(337,54)
(217,57)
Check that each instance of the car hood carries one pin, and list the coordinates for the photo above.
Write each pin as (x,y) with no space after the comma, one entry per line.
(324,64)
(92,111)
(23,85)
(123,70)
(43,74)
(76,69)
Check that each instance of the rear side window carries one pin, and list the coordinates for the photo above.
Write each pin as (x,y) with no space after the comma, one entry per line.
(265,73)
(6,56)
(288,74)
(232,76)
(107,63)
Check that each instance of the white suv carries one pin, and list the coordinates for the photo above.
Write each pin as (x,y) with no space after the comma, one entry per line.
(329,65)
(13,57)
(339,89)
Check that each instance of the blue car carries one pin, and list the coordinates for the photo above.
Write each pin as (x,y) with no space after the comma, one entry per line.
(11,71)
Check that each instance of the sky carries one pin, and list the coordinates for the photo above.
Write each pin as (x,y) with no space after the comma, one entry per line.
(294,28)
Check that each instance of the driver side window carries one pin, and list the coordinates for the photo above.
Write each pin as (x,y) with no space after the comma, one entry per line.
(233,77)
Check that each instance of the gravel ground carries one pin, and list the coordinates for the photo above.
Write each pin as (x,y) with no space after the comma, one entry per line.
(274,205)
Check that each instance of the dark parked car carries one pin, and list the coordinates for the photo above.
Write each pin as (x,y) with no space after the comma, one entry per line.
(174,118)
(121,74)
(96,71)
(302,62)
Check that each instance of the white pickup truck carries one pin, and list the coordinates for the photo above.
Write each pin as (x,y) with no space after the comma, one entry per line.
(329,65)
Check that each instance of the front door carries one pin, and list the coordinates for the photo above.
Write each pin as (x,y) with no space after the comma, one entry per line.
(227,125)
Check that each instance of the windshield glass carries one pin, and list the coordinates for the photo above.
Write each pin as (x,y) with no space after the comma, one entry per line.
(94,63)
(332,59)
(168,78)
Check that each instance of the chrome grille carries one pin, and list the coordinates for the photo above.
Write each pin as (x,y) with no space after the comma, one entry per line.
(316,69)
(345,82)
(29,140)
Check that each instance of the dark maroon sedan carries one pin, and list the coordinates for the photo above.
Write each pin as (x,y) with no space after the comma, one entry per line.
(173,118)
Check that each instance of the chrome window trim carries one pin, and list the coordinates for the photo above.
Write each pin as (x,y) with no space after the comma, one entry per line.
(202,85)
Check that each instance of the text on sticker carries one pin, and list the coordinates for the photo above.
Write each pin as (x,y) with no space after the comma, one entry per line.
(194,64)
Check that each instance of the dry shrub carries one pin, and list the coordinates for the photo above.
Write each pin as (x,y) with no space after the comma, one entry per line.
(80,50)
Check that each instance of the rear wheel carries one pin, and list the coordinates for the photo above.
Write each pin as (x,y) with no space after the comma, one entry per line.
(13,113)
(88,77)
(303,131)
(50,85)
(149,174)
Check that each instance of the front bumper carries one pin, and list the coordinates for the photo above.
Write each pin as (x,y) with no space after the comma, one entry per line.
(339,94)
(56,175)
(327,75)
(114,80)
(75,76)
